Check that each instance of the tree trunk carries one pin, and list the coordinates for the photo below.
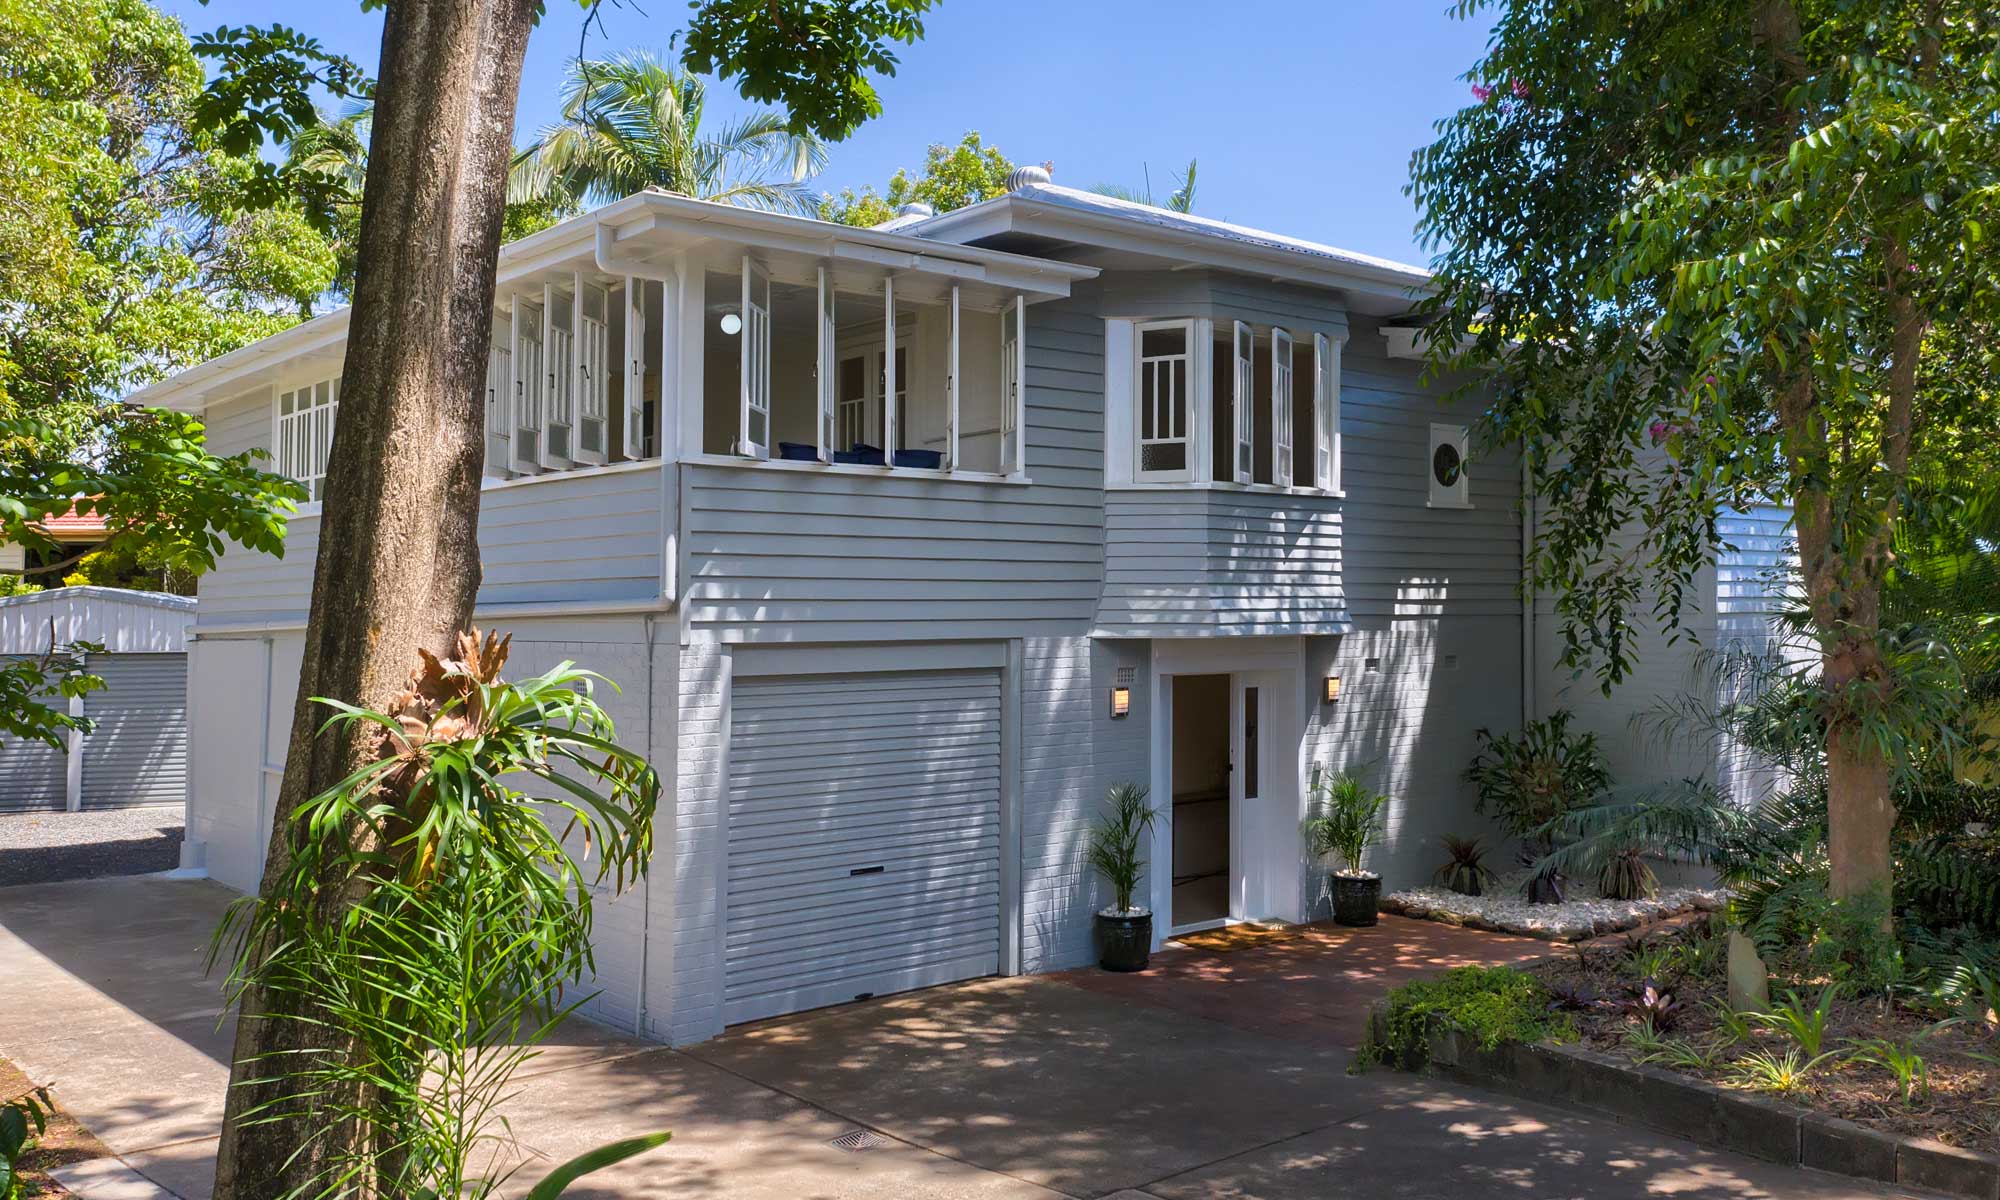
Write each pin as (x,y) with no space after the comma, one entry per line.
(398,561)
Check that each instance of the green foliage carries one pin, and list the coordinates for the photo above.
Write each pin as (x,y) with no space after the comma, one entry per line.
(633,122)
(1117,848)
(1180,200)
(812,56)
(1901,1059)
(1466,871)
(432,915)
(35,691)
(133,240)
(1735,1027)
(15,585)
(1343,819)
(1533,777)
(1491,1004)
(22,1119)
(557,1182)
(953,177)
(1805,1026)
(1655,222)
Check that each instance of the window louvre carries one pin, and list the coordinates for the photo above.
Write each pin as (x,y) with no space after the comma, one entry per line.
(499,387)
(305,433)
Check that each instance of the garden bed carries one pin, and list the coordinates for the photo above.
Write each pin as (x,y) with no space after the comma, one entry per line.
(1503,909)
(1954,1096)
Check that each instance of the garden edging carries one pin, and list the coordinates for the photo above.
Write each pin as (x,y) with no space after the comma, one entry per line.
(1706,1114)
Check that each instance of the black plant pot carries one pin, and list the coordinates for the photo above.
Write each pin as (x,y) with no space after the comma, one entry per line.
(1355,898)
(1124,939)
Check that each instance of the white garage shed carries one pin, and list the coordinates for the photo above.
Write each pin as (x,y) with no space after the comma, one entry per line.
(136,752)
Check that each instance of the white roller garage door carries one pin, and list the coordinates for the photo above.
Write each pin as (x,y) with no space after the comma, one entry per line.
(864,837)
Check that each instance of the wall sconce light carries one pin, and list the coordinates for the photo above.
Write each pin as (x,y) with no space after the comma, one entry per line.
(731,324)
(1121,701)
(1332,688)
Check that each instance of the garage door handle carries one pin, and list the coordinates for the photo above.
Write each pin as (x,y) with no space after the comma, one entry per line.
(867,870)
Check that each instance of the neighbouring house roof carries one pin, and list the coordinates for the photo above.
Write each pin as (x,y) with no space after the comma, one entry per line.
(73,526)
(1049,213)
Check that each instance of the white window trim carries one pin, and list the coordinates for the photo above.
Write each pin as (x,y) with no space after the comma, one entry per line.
(1459,495)
(754,361)
(1136,396)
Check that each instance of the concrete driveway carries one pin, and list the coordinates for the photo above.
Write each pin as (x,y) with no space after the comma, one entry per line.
(1002,1088)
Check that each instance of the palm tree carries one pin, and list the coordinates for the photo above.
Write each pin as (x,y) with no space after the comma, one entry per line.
(633,122)
(337,148)
(1180,200)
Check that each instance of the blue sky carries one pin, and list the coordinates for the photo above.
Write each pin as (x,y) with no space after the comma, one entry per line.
(1302,113)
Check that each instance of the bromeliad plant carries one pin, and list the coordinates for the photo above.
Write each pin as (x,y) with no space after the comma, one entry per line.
(1466,872)
(445,957)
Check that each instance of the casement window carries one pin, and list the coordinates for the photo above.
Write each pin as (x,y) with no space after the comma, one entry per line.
(1281,408)
(1326,412)
(499,389)
(305,432)
(633,444)
(593,365)
(754,375)
(1449,444)
(1164,401)
(1243,400)
(1013,387)
(530,385)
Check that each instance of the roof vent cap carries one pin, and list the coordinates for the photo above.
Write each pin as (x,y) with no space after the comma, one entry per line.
(915,208)
(1021,177)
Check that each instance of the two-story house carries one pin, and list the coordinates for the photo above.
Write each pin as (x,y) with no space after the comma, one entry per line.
(903,545)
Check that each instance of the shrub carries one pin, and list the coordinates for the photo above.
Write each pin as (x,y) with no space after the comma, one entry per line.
(1530,778)
(1466,873)
(1118,842)
(1806,1026)
(1491,1004)
(1346,818)
(22,1120)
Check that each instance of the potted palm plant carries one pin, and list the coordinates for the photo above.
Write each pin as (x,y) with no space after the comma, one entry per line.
(1346,819)
(1117,851)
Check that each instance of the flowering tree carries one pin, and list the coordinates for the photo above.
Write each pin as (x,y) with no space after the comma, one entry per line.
(1719,251)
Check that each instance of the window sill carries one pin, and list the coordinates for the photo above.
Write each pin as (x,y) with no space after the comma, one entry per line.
(1450,505)
(1224,485)
(869,472)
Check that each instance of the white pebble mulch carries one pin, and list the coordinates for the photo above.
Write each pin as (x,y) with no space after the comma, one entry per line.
(1581,916)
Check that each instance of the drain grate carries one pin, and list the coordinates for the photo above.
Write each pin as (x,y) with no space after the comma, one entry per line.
(859,1140)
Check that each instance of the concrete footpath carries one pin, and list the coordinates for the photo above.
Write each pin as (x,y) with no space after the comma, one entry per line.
(1000,1088)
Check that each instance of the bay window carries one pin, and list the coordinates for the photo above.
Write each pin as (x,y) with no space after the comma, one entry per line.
(1192,400)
